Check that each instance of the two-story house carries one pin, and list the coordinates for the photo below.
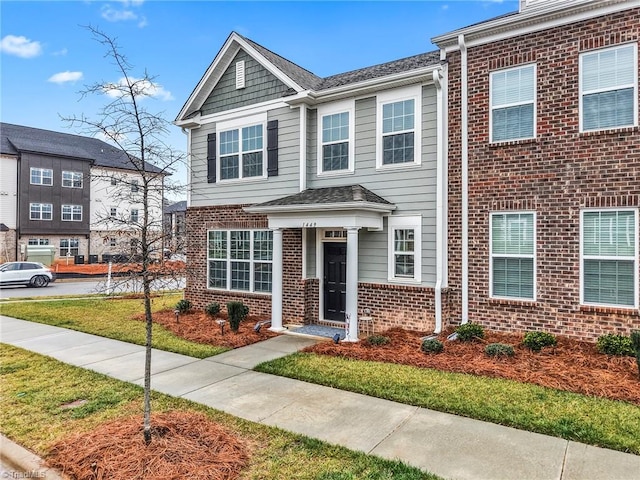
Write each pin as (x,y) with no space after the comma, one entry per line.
(318,199)
(77,193)
(544,168)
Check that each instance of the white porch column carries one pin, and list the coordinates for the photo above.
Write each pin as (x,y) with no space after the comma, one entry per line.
(351,308)
(276,282)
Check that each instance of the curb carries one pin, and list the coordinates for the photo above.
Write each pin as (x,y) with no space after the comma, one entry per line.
(18,462)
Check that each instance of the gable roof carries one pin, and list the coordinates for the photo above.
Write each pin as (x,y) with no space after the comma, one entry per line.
(15,139)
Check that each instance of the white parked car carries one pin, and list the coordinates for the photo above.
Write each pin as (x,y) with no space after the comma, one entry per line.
(33,274)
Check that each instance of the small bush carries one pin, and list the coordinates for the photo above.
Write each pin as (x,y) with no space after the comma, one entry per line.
(212,309)
(536,341)
(378,340)
(470,331)
(432,345)
(613,344)
(183,306)
(499,350)
(635,341)
(237,312)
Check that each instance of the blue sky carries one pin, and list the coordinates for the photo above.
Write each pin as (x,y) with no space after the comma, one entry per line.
(47,56)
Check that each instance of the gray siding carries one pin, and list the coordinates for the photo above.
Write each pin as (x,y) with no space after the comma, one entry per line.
(311,253)
(255,190)
(261,85)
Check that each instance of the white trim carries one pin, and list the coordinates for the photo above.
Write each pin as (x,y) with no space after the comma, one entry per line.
(533,255)
(303,147)
(320,241)
(346,106)
(635,258)
(73,174)
(534,102)
(464,176)
(240,75)
(398,95)
(239,123)
(413,222)
(582,93)
(41,170)
(62,219)
(41,205)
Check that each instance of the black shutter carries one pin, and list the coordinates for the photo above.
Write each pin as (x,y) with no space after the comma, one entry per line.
(272,148)
(211,158)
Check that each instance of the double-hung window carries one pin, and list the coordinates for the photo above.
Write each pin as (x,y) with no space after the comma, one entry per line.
(609,88)
(69,247)
(398,125)
(38,241)
(609,263)
(335,133)
(71,213)
(512,255)
(41,176)
(134,217)
(240,260)
(241,148)
(513,103)
(72,179)
(405,248)
(40,211)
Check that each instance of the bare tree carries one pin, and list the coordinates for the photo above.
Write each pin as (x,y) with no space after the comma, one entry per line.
(140,134)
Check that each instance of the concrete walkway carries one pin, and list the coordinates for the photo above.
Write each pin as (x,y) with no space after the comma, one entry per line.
(447,445)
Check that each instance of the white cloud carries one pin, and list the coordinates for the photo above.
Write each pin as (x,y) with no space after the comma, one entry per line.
(124,12)
(65,77)
(60,53)
(142,88)
(20,46)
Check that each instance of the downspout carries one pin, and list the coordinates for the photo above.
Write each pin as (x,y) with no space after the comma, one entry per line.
(464,128)
(303,147)
(437,81)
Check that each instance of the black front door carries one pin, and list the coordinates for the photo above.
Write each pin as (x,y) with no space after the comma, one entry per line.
(335,280)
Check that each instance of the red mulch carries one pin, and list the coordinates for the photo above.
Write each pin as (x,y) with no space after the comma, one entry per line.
(167,267)
(183,445)
(199,327)
(572,365)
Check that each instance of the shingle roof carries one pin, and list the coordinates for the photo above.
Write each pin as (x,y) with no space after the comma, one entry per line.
(176,207)
(328,196)
(17,138)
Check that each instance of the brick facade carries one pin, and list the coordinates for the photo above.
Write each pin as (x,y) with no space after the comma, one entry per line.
(556,175)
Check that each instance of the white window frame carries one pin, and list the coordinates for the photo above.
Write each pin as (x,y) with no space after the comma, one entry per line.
(239,124)
(38,241)
(113,212)
(41,172)
(515,104)
(413,222)
(112,242)
(398,95)
(73,212)
(135,185)
(252,261)
(69,247)
(134,217)
(41,205)
(71,179)
(347,106)
(618,87)
(635,258)
(532,256)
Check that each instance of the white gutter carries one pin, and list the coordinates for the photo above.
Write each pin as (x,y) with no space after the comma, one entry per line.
(465,178)
(303,147)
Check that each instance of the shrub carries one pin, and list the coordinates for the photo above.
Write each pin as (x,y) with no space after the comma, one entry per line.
(378,340)
(237,312)
(635,341)
(183,306)
(469,332)
(613,344)
(212,309)
(499,350)
(536,341)
(432,345)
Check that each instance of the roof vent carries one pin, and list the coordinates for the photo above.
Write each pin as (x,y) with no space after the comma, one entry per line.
(240,74)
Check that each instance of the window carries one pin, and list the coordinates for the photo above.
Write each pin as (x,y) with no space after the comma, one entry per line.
(38,241)
(513,103)
(405,260)
(241,153)
(40,211)
(113,212)
(112,242)
(398,124)
(512,256)
(71,213)
(72,179)
(609,263)
(335,134)
(41,176)
(69,247)
(240,260)
(134,215)
(134,186)
(609,88)
(114,181)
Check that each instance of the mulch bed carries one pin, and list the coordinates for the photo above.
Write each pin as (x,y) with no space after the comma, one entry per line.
(572,365)
(183,445)
(200,327)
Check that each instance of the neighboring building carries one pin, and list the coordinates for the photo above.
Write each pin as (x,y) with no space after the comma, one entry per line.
(544,168)
(315,199)
(61,190)
(175,227)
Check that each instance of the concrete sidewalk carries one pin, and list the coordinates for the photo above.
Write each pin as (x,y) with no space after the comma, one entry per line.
(447,445)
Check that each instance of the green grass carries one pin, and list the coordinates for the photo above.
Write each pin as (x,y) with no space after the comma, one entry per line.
(34,388)
(111,318)
(590,420)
